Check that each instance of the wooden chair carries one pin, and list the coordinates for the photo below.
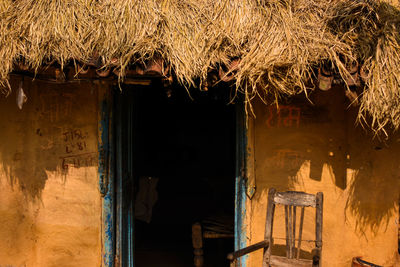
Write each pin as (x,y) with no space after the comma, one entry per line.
(291,200)
(214,227)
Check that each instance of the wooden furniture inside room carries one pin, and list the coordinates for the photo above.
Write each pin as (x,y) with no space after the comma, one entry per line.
(291,200)
(215,227)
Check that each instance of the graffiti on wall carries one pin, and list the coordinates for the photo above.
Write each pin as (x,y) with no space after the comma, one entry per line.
(284,116)
(76,153)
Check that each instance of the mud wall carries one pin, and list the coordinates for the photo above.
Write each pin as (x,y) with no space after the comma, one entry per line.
(50,205)
(319,148)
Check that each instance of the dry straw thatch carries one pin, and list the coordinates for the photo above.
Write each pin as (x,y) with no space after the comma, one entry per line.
(278,42)
(372,29)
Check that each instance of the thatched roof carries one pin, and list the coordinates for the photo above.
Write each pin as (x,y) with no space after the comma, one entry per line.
(277,44)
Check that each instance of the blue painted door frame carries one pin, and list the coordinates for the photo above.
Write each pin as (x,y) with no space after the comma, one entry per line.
(240,180)
(123,120)
(106,179)
(117,226)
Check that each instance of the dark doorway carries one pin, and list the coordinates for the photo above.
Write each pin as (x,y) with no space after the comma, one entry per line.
(181,153)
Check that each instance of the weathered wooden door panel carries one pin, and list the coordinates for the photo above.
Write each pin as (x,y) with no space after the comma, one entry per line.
(123,127)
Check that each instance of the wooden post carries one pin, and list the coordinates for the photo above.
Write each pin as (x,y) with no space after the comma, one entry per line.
(197,241)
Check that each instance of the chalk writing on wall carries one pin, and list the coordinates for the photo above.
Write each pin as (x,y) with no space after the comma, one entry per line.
(76,152)
(75,141)
(284,116)
(78,160)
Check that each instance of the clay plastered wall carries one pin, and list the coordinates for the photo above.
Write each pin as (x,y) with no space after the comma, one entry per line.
(319,148)
(49,203)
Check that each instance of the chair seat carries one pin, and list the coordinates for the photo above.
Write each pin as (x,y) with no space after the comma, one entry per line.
(278,261)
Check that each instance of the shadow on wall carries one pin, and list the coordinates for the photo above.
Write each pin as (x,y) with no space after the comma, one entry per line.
(323,136)
(56,130)
(374,190)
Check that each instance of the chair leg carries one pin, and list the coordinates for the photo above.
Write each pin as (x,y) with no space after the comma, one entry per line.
(197,240)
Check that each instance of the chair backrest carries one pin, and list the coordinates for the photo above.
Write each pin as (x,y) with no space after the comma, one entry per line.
(291,200)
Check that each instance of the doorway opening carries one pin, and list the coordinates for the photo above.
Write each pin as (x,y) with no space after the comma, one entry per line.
(176,163)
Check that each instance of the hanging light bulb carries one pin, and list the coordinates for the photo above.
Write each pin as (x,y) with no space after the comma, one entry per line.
(21,97)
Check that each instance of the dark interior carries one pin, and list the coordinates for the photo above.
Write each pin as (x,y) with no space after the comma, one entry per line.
(186,139)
